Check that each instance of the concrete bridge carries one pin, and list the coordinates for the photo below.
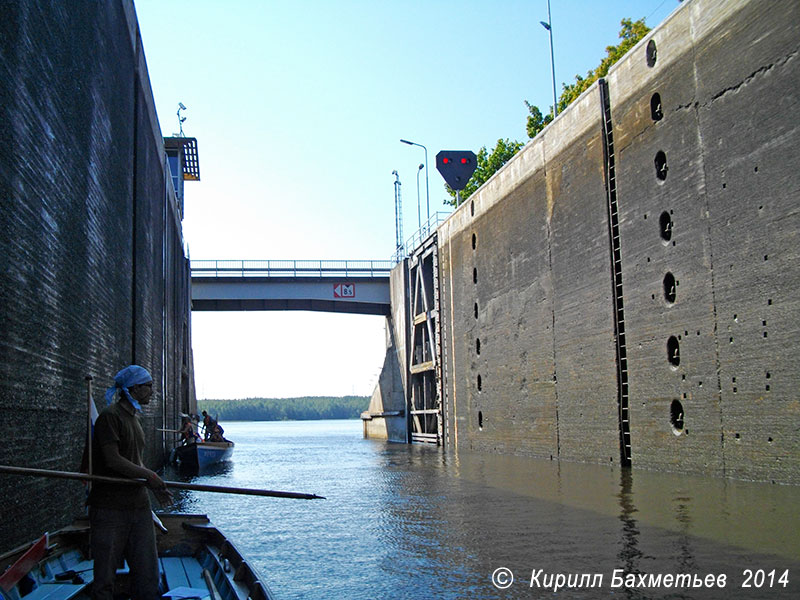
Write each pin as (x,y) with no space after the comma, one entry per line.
(344,286)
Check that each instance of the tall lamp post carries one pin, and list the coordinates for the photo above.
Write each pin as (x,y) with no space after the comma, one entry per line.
(427,190)
(419,218)
(549,27)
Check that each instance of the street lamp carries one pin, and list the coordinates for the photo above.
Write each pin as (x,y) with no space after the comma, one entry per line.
(427,190)
(549,27)
(419,218)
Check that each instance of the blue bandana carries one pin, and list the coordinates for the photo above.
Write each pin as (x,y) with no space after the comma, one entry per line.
(132,375)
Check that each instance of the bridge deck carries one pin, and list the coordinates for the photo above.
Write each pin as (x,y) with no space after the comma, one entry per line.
(360,287)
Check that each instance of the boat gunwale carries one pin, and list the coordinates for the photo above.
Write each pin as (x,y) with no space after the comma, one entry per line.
(194,530)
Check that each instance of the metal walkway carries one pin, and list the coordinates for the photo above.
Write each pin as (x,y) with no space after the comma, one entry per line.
(345,286)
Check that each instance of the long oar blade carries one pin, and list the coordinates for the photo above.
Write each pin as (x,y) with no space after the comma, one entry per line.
(221,489)
(170,484)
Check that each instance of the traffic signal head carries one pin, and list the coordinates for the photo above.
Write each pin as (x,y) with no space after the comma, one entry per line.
(456,166)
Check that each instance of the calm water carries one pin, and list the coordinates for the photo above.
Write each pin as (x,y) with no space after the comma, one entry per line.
(412,522)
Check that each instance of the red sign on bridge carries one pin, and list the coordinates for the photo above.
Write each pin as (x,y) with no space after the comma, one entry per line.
(344,290)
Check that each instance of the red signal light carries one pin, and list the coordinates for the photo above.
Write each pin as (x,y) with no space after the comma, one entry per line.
(456,167)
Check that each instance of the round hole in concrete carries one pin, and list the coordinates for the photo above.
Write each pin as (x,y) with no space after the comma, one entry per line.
(673,351)
(676,417)
(660,162)
(656,112)
(651,52)
(669,288)
(665,226)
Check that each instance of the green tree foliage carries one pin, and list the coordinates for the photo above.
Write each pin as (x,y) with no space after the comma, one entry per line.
(307,408)
(629,35)
(536,122)
(488,165)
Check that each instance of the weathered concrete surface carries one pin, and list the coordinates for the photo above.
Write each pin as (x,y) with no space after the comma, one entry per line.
(385,418)
(709,263)
(649,254)
(389,394)
(747,113)
(727,76)
(546,361)
(94,276)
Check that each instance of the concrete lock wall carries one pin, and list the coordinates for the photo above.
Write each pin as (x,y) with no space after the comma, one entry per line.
(385,417)
(94,275)
(704,158)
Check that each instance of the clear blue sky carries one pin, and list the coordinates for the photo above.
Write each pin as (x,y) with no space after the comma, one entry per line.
(298,108)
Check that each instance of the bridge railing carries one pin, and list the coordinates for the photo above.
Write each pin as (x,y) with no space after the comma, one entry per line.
(291,268)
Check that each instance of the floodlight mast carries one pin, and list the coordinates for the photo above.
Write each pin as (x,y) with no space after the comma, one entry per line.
(181,119)
(398,214)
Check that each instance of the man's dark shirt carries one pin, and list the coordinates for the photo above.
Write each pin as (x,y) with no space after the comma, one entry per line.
(117,424)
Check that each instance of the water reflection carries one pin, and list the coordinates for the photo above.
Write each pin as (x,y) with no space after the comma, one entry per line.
(411,521)
(629,555)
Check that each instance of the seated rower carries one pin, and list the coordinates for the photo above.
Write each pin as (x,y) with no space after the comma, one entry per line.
(216,434)
(188,435)
(208,425)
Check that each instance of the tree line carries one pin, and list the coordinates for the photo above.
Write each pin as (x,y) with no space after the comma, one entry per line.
(307,408)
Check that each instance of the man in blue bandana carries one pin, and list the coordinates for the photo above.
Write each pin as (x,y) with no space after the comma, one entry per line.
(120,514)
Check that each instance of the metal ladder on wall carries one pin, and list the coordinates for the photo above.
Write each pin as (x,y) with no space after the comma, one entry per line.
(616,267)
(425,377)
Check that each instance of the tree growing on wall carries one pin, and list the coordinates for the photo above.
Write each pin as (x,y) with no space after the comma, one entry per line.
(629,34)
(488,163)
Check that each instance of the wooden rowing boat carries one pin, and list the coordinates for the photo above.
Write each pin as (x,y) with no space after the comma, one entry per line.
(203,454)
(196,561)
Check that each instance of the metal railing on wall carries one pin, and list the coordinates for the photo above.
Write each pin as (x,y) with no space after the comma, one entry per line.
(422,234)
(291,268)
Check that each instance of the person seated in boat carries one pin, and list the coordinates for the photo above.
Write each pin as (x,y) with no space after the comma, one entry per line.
(216,434)
(120,514)
(208,425)
(188,434)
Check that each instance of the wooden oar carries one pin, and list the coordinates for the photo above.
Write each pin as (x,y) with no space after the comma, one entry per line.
(198,487)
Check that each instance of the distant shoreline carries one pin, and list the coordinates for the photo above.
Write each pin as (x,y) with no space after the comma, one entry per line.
(304,408)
